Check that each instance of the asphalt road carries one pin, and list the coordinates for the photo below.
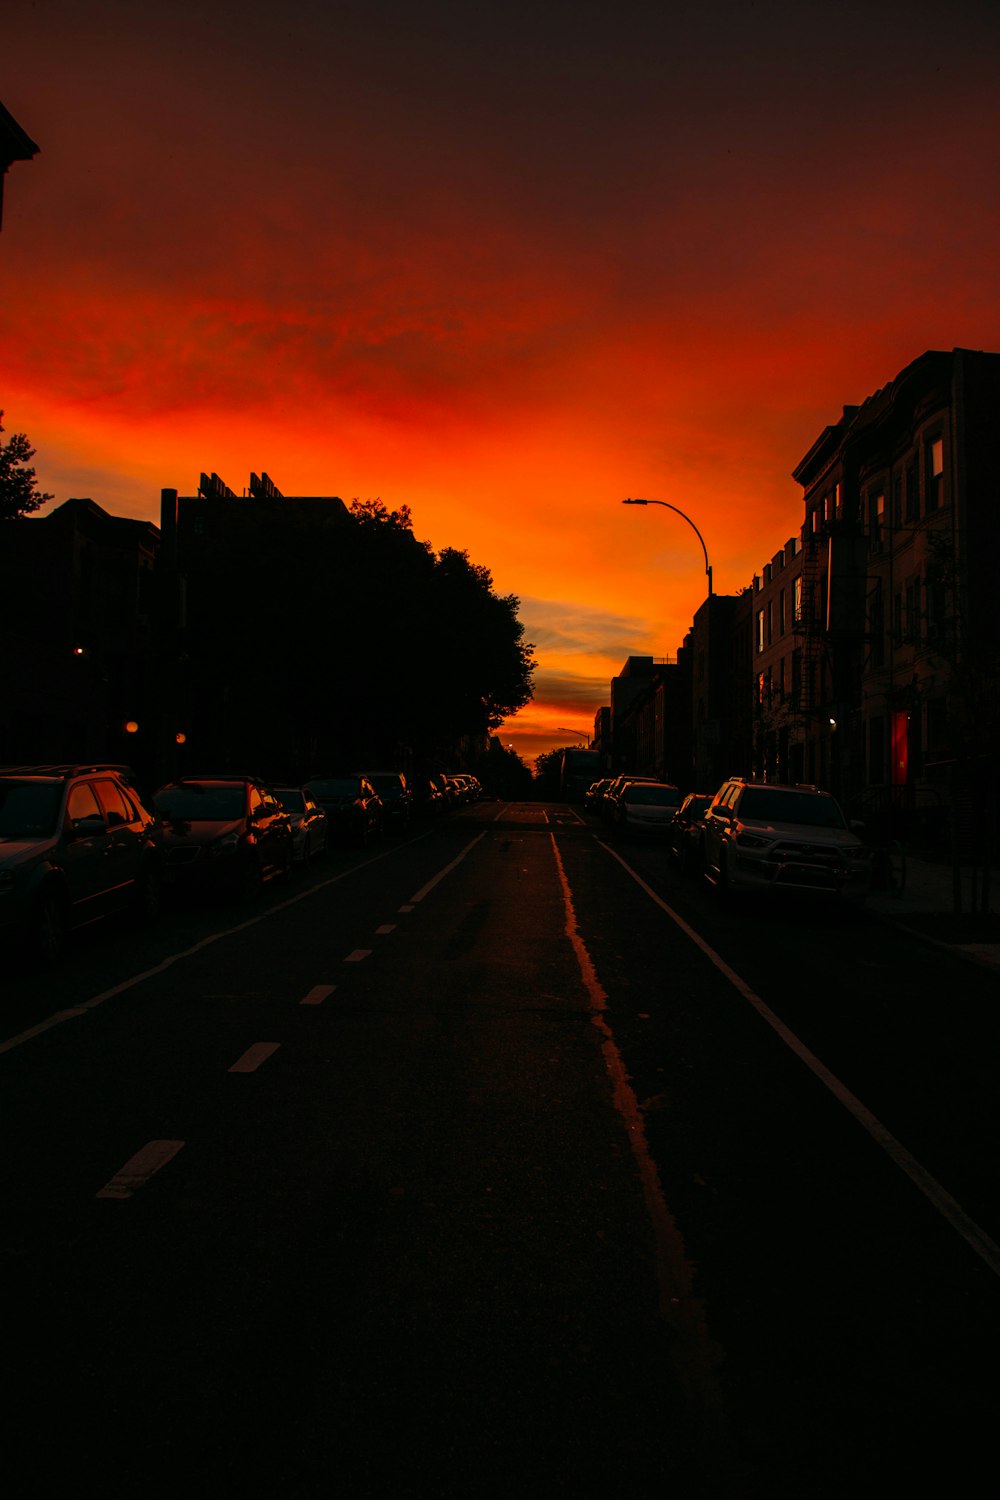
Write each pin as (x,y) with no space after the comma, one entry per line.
(499,1160)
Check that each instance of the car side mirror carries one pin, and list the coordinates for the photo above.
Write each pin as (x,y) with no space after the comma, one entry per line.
(86,828)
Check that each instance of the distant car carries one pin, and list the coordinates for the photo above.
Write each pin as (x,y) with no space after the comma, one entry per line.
(759,836)
(396,799)
(227,834)
(429,797)
(646,807)
(353,808)
(76,844)
(592,796)
(684,837)
(308,822)
(609,800)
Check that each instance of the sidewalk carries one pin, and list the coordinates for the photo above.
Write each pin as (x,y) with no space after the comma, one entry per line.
(927,907)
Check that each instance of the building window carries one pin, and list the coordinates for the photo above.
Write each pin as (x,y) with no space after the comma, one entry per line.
(876,520)
(897,619)
(935,473)
(912,496)
(760,630)
(797,599)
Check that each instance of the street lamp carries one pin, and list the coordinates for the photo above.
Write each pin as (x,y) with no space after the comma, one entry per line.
(679,512)
(561,729)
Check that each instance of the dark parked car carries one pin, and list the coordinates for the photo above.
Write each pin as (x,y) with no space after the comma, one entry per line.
(396,799)
(646,808)
(76,843)
(761,837)
(685,833)
(224,833)
(429,799)
(352,806)
(308,821)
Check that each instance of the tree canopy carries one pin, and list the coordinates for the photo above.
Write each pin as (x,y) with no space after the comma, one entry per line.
(365,645)
(19,494)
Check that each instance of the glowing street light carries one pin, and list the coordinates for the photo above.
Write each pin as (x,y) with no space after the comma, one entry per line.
(679,512)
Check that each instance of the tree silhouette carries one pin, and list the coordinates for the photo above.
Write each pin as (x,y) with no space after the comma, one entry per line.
(18,485)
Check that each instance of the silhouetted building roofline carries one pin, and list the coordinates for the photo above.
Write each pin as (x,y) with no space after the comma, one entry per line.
(15,145)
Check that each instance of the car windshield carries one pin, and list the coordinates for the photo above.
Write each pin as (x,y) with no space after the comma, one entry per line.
(28,809)
(386,785)
(652,796)
(200,804)
(772,805)
(291,801)
(335,786)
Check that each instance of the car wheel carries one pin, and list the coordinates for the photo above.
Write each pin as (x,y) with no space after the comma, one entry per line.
(49,928)
(683,858)
(288,863)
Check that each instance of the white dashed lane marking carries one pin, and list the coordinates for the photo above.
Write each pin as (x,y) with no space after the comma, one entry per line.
(358,955)
(318,994)
(140,1168)
(254,1056)
(386,928)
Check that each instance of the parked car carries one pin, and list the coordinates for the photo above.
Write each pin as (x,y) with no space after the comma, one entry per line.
(308,822)
(76,843)
(396,799)
(768,838)
(353,808)
(684,837)
(594,793)
(646,808)
(609,801)
(429,796)
(454,790)
(228,834)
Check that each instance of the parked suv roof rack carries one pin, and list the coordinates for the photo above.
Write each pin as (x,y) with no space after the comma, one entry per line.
(66,770)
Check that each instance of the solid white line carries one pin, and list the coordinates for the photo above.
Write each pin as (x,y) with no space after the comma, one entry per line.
(318,994)
(677,1302)
(358,955)
(139,1168)
(947,1207)
(426,889)
(254,1056)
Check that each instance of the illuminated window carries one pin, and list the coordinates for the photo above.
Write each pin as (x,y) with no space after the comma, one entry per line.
(760,630)
(797,601)
(935,472)
(876,520)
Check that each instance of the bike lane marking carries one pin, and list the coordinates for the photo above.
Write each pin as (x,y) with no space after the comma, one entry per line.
(696,1355)
(950,1210)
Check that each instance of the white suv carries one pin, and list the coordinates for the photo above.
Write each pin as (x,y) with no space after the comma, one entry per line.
(762,837)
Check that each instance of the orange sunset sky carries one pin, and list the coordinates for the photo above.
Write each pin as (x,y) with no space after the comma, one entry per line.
(503,263)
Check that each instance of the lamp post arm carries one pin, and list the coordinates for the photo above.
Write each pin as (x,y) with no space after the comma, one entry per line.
(678,512)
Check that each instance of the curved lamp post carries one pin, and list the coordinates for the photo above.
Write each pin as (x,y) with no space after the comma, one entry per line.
(678,512)
(561,729)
